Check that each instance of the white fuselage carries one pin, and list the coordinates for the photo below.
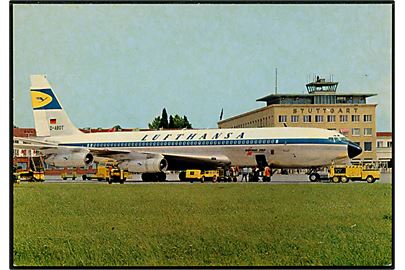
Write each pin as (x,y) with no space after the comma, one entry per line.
(282,147)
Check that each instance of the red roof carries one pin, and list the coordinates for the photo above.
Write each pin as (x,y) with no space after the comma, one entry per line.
(384,134)
(24,132)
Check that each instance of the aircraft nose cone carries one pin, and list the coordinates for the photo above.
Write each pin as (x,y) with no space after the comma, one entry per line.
(353,150)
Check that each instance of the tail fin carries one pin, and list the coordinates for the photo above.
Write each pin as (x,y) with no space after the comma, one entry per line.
(49,116)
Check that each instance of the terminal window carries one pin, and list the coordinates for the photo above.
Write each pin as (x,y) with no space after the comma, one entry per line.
(343,118)
(331,118)
(368,131)
(307,118)
(355,131)
(367,146)
(294,118)
(318,118)
(340,99)
(367,118)
(282,118)
(355,118)
(380,144)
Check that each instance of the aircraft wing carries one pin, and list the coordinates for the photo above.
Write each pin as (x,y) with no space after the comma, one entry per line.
(175,161)
(55,148)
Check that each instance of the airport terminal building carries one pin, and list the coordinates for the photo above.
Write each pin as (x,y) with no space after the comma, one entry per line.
(322,107)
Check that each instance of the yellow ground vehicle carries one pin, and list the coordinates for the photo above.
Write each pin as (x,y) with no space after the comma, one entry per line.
(65,175)
(342,173)
(30,169)
(199,175)
(108,172)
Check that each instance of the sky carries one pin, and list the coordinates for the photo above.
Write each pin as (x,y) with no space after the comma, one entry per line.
(122,64)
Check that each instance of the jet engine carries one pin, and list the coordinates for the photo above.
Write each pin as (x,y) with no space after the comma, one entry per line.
(151,165)
(77,159)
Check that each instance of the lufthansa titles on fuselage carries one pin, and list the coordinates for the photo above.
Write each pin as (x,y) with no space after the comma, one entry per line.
(193,136)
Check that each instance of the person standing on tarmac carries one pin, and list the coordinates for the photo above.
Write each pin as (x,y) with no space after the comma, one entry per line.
(267,174)
(244,174)
(250,173)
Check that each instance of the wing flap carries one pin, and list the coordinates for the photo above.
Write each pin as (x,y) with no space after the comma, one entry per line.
(184,161)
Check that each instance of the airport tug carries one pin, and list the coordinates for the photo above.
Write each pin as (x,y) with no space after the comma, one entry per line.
(109,172)
(346,173)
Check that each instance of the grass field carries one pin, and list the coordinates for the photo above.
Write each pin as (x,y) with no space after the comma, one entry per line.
(202,224)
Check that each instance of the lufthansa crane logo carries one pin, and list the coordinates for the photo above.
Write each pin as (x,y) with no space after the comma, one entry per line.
(40,99)
(43,99)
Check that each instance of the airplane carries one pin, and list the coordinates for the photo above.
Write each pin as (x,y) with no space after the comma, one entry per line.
(152,153)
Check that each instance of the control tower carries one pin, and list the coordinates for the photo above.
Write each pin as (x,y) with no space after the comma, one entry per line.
(321,86)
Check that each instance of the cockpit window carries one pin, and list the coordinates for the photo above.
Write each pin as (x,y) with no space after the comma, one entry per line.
(337,138)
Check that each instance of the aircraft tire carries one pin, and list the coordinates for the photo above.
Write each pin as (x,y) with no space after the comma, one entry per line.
(145,177)
(84,177)
(182,176)
(161,177)
(314,177)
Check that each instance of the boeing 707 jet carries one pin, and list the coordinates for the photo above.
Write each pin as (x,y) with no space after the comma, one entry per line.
(153,152)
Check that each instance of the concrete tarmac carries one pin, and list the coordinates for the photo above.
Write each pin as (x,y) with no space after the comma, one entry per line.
(172,178)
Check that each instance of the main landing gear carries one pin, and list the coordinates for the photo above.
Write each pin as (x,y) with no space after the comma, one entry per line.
(154,177)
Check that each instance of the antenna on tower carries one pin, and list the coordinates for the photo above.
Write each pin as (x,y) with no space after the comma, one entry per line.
(276,83)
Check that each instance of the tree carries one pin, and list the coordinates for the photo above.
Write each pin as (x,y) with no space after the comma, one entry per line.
(175,121)
(164,123)
(171,122)
(186,124)
(155,123)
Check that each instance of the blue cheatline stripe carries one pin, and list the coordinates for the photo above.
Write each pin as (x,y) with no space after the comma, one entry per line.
(205,143)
